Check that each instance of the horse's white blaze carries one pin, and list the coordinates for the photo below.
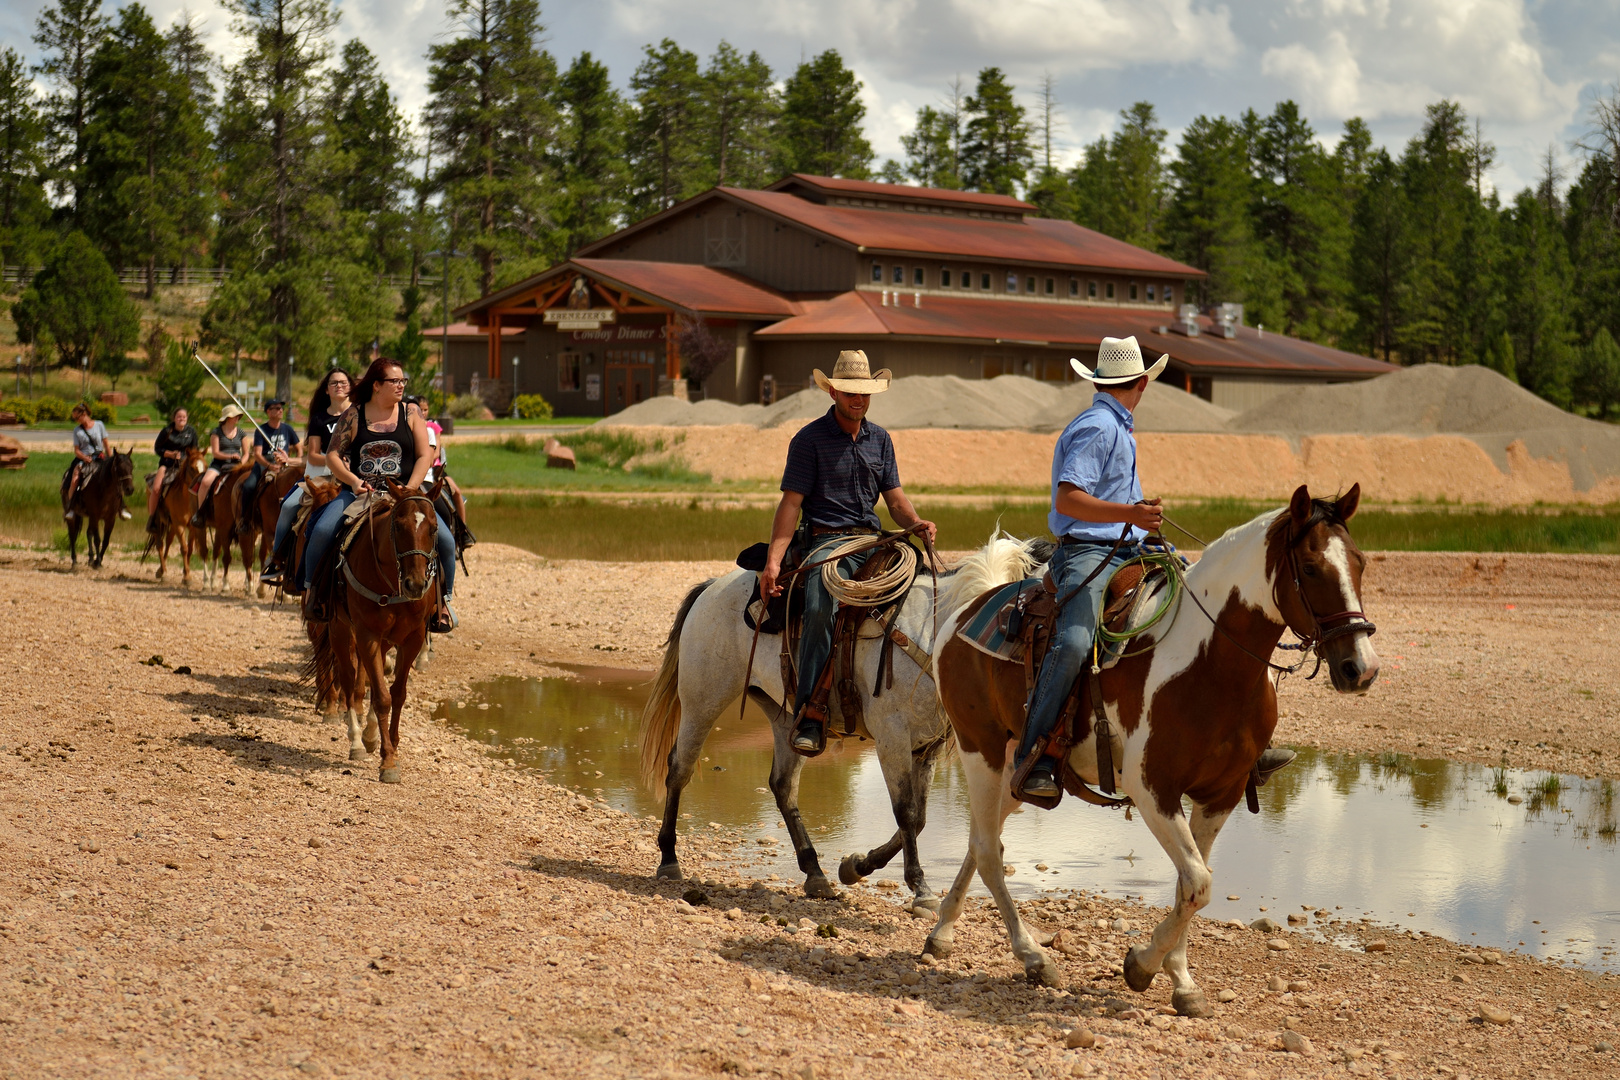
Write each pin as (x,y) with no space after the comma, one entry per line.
(419,517)
(1337,555)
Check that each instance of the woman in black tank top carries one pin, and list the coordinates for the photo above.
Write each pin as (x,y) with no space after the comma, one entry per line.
(380,440)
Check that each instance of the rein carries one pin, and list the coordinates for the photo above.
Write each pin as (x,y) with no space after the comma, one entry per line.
(376,550)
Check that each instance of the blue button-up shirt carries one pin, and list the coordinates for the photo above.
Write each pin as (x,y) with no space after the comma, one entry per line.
(841,478)
(1097,454)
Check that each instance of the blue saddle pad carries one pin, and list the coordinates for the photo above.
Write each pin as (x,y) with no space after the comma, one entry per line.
(985,631)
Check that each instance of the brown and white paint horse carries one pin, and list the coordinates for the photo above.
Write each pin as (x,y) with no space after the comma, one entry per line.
(1191,708)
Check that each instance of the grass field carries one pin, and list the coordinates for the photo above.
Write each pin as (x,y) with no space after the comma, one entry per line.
(573,527)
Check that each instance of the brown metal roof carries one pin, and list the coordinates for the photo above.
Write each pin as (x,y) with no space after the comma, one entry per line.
(862,314)
(683,286)
(463,330)
(903,192)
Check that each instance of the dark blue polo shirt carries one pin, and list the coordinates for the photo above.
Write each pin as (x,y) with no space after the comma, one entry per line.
(840,478)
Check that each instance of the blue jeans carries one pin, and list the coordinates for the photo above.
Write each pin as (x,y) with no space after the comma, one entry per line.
(326,527)
(284,521)
(816,634)
(1070,652)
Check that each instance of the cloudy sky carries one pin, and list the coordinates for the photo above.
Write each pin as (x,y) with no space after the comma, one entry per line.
(1528,70)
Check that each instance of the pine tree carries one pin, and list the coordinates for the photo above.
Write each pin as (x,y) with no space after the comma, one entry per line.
(1594,246)
(739,116)
(371,152)
(1438,180)
(193,172)
(69,33)
(931,150)
(1207,221)
(588,157)
(1380,257)
(820,128)
(1599,382)
(1539,294)
(279,218)
(1120,185)
(493,127)
(23,209)
(997,142)
(666,140)
(145,137)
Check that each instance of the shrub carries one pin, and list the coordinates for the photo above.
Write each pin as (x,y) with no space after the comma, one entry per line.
(531,407)
(76,298)
(466,407)
(24,410)
(52,408)
(100,410)
(178,382)
(204,415)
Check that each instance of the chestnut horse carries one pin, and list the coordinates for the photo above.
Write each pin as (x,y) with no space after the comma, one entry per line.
(384,599)
(96,505)
(174,519)
(1191,706)
(274,487)
(222,519)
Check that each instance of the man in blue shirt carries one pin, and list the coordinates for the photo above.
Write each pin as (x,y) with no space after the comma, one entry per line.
(837,468)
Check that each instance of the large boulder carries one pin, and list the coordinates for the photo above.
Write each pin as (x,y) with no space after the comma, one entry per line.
(12,454)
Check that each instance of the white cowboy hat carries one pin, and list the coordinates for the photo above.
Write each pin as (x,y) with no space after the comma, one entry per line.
(229,411)
(854,375)
(1119,360)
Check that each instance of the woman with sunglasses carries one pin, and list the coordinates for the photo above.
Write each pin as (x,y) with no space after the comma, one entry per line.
(376,440)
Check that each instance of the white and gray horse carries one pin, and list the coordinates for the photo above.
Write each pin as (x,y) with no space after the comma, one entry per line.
(705,671)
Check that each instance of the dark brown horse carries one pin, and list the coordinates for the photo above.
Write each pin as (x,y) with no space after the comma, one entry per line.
(222,519)
(385,595)
(174,518)
(1191,706)
(98,502)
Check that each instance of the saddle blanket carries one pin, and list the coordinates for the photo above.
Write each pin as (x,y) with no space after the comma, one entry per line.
(987,629)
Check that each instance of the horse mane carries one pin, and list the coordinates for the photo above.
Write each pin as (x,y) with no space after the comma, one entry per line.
(1003,558)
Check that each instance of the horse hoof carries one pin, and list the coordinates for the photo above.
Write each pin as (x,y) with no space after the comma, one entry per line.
(817,887)
(1191,1003)
(846,870)
(1137,977)
(1044,973)
(357,755)
(939,950)
(388,776)
(370,745)
(927,903)
(670,871)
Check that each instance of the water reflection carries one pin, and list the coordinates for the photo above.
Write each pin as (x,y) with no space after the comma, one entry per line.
(1484,856)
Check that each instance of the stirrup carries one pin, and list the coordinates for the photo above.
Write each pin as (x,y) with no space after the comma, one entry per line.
(1271,760)
(1042,780)
(444,620)
(272,574)
(809,737)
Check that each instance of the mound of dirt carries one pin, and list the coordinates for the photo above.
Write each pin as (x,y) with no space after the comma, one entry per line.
(1006,403)
(1432,399)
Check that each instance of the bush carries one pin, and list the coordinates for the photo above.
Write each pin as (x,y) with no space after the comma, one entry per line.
(467,407)
(24,410)
(204,416)
(531,407)
(178,382)
(52,408)
(100,410)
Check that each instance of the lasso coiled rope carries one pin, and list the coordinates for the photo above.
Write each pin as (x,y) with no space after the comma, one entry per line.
(876,591)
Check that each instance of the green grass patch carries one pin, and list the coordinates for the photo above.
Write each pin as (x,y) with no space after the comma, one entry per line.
(607,461)
(560,527)
(31,503)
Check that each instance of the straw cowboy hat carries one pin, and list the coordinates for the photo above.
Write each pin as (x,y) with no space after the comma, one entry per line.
(229,411)
(1119,360)
(853,375)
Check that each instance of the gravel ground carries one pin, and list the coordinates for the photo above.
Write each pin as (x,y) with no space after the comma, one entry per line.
(197,882)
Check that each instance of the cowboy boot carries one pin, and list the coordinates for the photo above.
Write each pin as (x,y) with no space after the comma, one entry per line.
(810,736)
(1270,761)
(1042,780)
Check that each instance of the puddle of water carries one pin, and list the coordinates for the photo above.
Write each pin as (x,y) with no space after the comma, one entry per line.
(1430,845)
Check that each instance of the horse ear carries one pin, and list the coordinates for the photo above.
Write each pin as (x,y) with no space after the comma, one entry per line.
(1299,507)
(438,486)
(1348,502)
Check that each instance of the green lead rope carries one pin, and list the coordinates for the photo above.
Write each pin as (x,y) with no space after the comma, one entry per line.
(1169,601)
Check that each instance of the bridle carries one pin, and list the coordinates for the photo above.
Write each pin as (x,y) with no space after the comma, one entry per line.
(399,597)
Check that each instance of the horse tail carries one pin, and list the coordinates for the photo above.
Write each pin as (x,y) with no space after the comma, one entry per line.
(317,666)
(661,719)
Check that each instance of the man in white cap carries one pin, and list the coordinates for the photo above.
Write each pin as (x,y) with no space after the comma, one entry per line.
(837,468)
(1095,491)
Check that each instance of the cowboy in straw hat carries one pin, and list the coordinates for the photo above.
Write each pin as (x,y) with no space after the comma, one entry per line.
(225,443)
(1095,490)
(837,468)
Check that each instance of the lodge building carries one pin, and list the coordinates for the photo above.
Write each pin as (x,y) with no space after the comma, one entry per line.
(928,282)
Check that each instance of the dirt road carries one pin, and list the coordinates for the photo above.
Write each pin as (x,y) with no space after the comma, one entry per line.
(197,882)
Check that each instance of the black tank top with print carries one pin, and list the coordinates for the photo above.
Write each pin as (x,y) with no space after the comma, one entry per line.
(375,456)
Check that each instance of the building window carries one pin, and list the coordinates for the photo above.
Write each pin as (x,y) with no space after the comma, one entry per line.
(1051,286)
(1109,289)
(984,281)
(1150,292)
(1074,286)
(945,279)
(917,277)
(1133,290)
(568,377)
(877,273)
(1029,285)
(1169,296)
(1012,282)
(1091,289)
(899,275)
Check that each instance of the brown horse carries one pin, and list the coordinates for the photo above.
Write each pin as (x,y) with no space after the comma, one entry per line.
(274,487)
(222,519)
(1191,706)
(174,519)
(98,502)
(385,597)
